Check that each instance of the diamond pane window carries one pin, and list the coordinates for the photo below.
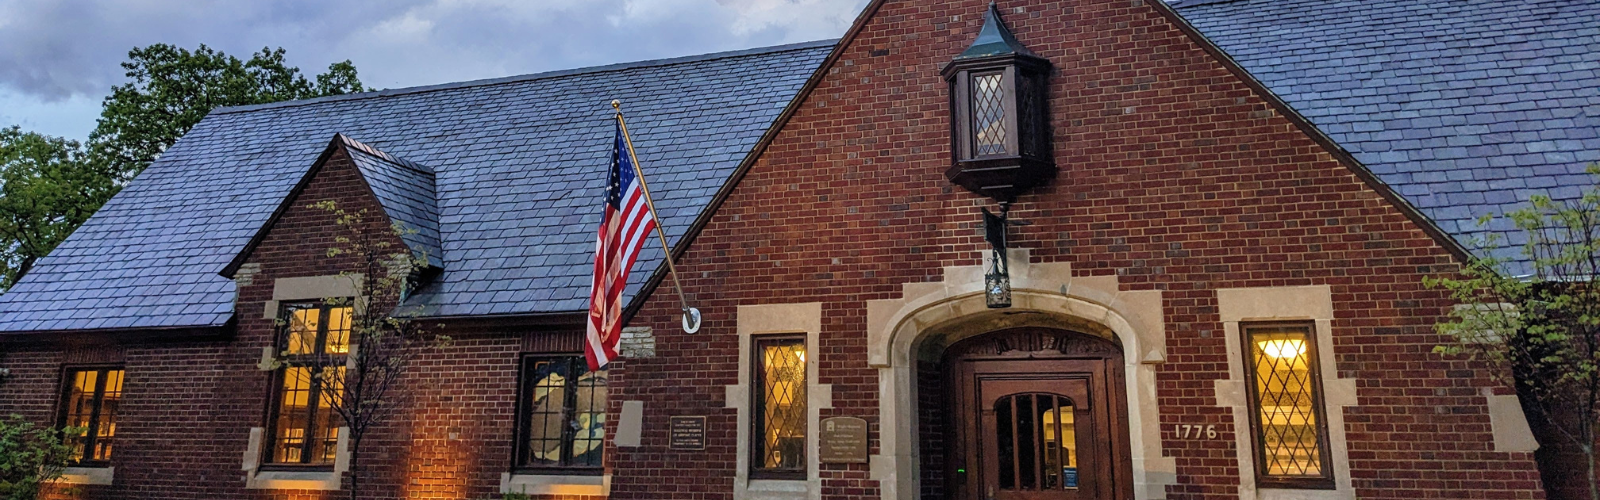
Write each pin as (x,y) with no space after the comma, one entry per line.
(1286,401)
(562,421)
(988,115)
(315,341)
(780,414)
(91,404)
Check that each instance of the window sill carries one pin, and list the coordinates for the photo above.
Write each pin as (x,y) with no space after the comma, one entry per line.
(96,476)
(551,484)
(326,480)
(777,489)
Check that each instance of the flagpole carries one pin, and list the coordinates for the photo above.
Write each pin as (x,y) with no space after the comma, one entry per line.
(638,171)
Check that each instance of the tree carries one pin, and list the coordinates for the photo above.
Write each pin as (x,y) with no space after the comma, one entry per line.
(362,387)
(1538,327)
(48,187)
(172,89)
(30,457)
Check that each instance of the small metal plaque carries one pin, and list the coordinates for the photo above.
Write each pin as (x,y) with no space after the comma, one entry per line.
(843,441)
(688,433)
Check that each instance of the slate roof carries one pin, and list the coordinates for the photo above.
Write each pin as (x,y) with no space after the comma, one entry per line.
(1466,108)
(518,164)
(406,191)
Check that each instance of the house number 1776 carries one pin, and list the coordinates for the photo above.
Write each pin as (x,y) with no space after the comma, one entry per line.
(1196,431)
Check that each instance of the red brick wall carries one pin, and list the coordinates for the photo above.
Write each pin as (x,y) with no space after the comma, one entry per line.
(188,407)
(1175,176)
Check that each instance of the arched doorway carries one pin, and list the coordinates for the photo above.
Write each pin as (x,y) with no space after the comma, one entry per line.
(1031,413)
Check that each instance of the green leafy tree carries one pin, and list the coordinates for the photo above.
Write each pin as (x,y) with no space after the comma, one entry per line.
(172,88)
(1539,328)
(30,457)
(48,187)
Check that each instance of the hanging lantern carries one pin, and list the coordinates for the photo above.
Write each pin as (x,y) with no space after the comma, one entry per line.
(996,279)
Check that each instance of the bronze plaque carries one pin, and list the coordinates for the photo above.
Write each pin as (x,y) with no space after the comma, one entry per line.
(843,441)
(688,433)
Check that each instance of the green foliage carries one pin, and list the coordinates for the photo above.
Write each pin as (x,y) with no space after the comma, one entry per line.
(29,457)
(52,185)
(48,187)
(1539,328)
(172,88)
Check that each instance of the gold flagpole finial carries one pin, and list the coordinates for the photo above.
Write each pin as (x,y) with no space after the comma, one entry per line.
(616,104)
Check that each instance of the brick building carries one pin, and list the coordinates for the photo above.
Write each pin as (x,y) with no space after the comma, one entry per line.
(1219,216)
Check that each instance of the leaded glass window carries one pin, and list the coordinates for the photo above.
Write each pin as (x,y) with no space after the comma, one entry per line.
(779,416)
(314,342)
(562,422)
(988,115)
(90,404)
(1286,406)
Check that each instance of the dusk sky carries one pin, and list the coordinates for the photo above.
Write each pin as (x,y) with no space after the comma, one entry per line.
(59,59)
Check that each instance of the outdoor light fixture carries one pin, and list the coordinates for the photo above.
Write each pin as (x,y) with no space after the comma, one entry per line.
(997,279)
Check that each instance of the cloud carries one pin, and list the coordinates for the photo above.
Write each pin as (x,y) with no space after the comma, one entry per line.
(69,51)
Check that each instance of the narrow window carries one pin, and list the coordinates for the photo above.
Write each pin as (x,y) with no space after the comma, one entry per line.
(1291,435)
(562,416)
(778,419)
(313,345)
(988,115)
(90,404)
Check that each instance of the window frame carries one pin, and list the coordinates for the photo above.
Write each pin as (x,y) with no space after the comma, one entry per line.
(523,423)
(757,409)
(276,392)
(91,434)
(1323,481)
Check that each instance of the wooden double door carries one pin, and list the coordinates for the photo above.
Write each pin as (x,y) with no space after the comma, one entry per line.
(1037,414)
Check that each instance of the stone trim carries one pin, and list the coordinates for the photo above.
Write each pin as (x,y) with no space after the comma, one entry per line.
(311,288)
(87,476)
(1313,303)
(1509,424)
(630,425)
(949,310)
(318,480)
(776,319)
(540,484)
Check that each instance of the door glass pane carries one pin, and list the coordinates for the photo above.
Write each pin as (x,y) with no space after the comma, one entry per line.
(1036,440)
(1287,403)
(1060,444)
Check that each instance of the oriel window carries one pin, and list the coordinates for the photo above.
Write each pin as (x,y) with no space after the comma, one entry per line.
(1287,419)
(778,419)
(90,403)
(562,416)
(313,344)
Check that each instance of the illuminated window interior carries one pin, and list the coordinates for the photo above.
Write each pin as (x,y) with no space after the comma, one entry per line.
(1037,440)
(563,421)
(780,419)
(315,342)
(92,399)
(1287,406)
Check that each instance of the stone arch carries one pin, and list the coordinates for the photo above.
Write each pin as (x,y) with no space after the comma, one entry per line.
(901,331)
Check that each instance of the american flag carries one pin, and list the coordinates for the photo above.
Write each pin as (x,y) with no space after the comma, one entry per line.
(623,229)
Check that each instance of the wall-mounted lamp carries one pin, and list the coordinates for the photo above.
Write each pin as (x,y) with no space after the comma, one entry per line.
(997,279)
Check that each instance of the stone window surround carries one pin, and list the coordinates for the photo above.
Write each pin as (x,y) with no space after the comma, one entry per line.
(1278,304)
(778,319)
(87,476)
(289,290)
(535,483)
(952,309)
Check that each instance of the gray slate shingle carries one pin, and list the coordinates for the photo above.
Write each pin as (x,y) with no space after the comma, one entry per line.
(1466,108)
(519,166)
(406,190)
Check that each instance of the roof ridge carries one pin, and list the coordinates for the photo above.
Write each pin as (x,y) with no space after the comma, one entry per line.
(648,63)
(368,149)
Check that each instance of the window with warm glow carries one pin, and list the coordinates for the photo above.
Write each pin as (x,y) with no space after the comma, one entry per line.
(779,418)
(1286,401)
(562,415)
(314,342)
(90,404)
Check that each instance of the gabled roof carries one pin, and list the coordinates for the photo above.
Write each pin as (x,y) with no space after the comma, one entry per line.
(518,162)
(404,189)
(1466,108)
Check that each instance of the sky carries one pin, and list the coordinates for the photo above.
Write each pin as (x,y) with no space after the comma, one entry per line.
(60,58)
